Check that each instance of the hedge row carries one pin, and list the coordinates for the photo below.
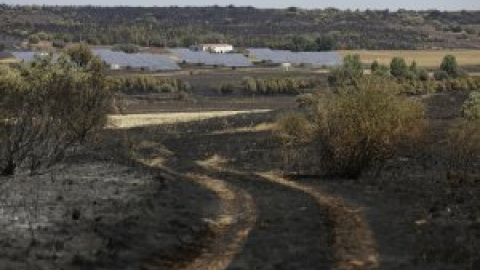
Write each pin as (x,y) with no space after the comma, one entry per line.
(432,86)
(148,85)
(271,86)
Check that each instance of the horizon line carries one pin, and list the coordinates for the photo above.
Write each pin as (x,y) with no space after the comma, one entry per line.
(239,6)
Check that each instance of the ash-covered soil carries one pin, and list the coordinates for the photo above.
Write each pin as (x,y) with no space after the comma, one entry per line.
(94,213)
(423,215)
(419,215)
(220,210)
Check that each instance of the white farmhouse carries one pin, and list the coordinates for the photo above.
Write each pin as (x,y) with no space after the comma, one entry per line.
(213,48)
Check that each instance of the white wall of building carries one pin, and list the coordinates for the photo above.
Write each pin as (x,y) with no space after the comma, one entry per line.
(214,48)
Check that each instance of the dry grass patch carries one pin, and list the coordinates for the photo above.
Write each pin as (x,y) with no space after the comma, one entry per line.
(424,58)
(9,61)
(257,128)
(142,120)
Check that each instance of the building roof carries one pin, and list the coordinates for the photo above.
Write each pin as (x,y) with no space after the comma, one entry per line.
(216,45)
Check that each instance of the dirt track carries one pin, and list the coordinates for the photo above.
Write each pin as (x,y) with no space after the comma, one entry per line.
(263,221)
(221,203)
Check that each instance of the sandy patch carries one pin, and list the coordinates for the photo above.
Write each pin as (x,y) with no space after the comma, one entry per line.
(142,120)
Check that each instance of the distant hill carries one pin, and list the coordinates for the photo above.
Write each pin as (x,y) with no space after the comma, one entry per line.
(292,28)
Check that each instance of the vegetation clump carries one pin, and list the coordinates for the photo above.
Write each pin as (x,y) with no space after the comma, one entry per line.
(358,128)
(412,79)
(226,88)
(348,73)
(471,107)
(449,66)
(272,86)
(47,107)
(139,85)
(398,67)
(463,147)
(463,140)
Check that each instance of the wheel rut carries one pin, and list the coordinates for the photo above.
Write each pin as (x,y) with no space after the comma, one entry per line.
(264,221)
(353,244)
(235,219)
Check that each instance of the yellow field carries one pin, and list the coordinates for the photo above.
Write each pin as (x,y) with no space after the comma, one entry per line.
(142,120)
(8,61)
(425,58)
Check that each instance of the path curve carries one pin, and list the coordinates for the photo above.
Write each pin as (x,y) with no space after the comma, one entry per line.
(353,243)
(235,219)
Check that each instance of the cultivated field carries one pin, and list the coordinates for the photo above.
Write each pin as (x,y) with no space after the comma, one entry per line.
(425,58)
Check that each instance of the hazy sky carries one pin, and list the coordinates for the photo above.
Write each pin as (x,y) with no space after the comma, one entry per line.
(343,4)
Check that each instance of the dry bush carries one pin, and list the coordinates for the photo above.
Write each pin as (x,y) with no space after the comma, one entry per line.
(295,132)
(463,148)
(463,140)
(471,107)
(46,108)
(295,129)
(359,128)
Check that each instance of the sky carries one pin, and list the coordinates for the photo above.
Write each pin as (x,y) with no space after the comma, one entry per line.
(341,4)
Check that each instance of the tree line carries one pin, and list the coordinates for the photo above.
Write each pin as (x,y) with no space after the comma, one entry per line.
(321,29)
(412,78)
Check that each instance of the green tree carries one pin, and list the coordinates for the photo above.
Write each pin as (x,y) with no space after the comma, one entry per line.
(300,43)
(80,54)
(349,73)
(354,64)
(398,67)
(379,69)
(450,66)
(324,43)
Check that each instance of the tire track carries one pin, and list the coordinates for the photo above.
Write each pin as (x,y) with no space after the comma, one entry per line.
(353,244)
(236,218)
